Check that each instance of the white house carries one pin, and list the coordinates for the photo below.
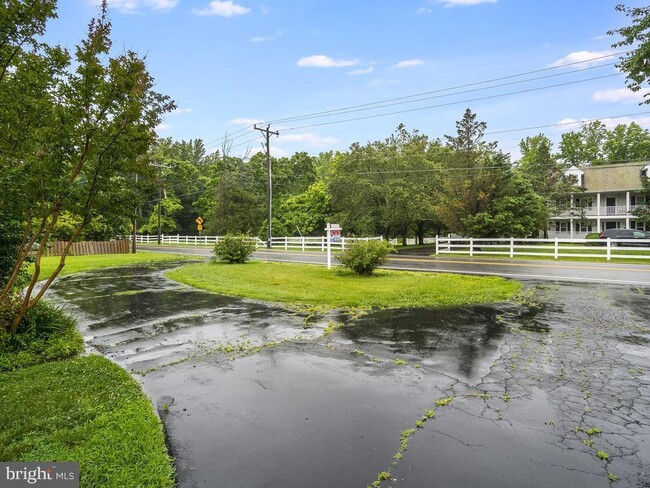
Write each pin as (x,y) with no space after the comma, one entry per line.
(611,194)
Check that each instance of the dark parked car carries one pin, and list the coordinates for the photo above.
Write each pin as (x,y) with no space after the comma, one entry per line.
(627,234)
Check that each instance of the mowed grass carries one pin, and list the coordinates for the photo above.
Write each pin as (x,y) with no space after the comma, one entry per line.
(316,286)
(87,410)
(76,264)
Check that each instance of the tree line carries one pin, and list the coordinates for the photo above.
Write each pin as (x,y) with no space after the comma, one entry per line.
(403,186)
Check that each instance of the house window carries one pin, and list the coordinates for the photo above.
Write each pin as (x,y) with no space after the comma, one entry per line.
(639,226)
(561,226)
(583,227)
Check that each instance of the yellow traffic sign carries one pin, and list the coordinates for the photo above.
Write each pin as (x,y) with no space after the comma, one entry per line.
(199,221)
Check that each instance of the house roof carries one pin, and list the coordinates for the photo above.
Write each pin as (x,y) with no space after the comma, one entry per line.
(614,177)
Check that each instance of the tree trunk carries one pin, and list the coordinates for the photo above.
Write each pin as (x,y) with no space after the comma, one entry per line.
(421,233)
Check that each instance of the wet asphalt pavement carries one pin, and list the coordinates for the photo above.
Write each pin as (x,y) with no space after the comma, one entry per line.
(552,390)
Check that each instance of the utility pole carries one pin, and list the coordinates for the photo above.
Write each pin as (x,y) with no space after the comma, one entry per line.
(160,167)
(267,135)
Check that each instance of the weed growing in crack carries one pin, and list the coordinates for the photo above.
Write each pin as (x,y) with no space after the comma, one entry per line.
(442,402)
(613,478)
(400,362)
(602,455)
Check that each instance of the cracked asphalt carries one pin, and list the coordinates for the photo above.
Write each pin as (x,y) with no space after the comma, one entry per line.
(551,390)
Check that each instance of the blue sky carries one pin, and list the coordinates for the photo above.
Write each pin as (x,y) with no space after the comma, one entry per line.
(232,63)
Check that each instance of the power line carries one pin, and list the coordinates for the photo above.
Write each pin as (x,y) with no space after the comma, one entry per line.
(489,97)
(348,109)
(378,105)
(467,85)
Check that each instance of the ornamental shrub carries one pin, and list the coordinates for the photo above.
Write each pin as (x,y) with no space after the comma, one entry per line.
(234,249)
(363,257)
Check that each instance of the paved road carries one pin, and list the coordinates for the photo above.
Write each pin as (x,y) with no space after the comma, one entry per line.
(596,272)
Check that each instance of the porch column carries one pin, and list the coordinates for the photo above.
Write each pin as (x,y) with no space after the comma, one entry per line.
(571,225)
(598,206)
(627,204)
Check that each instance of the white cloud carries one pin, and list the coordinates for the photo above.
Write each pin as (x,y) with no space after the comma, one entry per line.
(362,71)
(622,95)
(163,127)
(133,6)
(568,124)
(321,61)
(222,9)
(267,38)
(407,63)
(245,121)
(585,58)
(455,3)
(424,11)
(311,140)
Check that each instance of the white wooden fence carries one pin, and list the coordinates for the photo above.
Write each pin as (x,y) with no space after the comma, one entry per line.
(557,248)
(286,243)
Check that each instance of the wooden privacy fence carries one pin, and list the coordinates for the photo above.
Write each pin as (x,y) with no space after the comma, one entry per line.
(85,248)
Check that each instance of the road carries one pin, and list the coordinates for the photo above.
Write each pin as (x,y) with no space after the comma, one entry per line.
(581,272)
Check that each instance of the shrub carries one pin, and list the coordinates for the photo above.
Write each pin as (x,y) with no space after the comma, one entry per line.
(363,257)
(45,334)
(234,249)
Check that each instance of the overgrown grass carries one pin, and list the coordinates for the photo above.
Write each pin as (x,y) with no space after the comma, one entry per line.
(316,286)
(76,264)
(87,410)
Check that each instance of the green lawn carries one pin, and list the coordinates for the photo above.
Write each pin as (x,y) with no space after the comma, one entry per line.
(87,410)
(76,264)
(316,286)
(83,409)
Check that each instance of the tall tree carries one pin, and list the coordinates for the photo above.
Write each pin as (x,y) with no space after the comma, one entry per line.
(540,167)
(480,195)
(585,146)
(627,143)
(635,36)
(74,128)
(385,187)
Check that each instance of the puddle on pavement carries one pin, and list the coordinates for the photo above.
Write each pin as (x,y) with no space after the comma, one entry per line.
(462,341)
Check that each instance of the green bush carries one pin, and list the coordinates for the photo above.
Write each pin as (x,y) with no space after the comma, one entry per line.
(234,249)
(363,257)
(45,334)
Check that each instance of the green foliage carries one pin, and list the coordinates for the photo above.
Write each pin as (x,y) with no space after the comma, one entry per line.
(306,212)
(234,249)
(87,410)
(481,195)
(386,187)
(636,36)
(75,128)
(363,257)
(593,144)
(169,207)
(45,334)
